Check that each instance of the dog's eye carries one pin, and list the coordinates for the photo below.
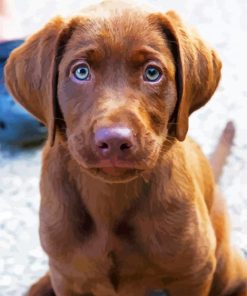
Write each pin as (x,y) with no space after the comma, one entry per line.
(152,74)
(82,72)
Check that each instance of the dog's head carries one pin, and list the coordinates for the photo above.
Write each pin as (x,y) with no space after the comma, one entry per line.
(117,83)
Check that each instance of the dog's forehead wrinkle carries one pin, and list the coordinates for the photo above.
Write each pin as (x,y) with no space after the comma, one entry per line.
(124,28)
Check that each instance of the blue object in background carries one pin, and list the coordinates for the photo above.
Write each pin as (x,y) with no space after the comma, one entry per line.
(17,126)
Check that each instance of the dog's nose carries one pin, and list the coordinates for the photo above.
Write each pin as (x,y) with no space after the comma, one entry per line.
(114,141)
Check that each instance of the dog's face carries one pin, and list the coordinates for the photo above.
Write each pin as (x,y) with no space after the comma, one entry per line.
(116,91)
(122,84)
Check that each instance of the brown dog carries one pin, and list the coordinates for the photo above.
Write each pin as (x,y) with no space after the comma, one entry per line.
(129,204)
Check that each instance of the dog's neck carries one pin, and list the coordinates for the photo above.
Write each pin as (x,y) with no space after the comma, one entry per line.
(109,202)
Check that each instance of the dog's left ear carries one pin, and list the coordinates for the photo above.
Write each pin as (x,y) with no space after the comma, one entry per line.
(198,68)
(31,72)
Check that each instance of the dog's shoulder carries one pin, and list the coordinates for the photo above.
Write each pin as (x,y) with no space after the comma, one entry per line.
(190,167)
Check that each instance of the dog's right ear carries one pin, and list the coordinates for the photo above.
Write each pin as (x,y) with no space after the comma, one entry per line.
(31,72)
(198,69)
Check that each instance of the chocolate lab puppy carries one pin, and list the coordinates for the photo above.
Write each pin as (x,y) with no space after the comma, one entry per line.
(129,203)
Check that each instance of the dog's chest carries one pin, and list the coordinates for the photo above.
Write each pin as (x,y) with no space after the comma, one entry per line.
(137,249)
(138,244)
(114,258)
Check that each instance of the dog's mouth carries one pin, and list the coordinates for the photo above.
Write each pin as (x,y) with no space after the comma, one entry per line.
(115,175)
(115,170)
(118,173)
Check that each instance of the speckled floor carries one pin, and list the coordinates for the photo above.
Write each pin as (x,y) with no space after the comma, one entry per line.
(224,24)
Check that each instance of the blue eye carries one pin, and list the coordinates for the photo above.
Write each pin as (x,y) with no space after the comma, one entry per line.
(152,74)
(82,72)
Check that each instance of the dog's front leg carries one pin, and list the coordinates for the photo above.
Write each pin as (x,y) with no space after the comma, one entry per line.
(197,284)
(42,287)
(63,286)
(186,288)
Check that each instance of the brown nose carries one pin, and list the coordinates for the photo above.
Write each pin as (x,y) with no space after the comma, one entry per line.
(114,141)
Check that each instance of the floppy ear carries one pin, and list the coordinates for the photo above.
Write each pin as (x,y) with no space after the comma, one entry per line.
(198,69)
(31,73)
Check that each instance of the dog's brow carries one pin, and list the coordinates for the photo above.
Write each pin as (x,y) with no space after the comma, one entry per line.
(145,53)
(88,51)
(92,54)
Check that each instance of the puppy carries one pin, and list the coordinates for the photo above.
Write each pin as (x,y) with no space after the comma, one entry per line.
(129,204)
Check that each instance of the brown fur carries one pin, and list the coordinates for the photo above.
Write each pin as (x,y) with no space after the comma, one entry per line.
(159,221)
(222,150)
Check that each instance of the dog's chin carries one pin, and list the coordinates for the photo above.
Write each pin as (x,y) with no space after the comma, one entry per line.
(114,175)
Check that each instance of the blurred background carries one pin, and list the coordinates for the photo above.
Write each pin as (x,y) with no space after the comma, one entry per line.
(223,23)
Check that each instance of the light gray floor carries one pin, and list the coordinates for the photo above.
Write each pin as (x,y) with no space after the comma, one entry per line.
(224,24)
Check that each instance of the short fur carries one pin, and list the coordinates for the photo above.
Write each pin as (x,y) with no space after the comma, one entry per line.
(159,223)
